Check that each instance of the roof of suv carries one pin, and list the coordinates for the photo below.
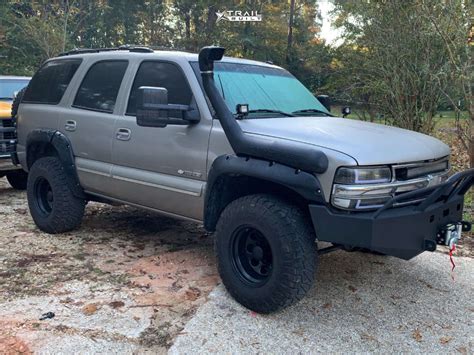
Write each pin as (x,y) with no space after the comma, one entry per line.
(157,54)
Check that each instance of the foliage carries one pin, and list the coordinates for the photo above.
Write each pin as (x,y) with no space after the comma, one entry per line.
(36,30)
(392,62)
(453,25)
(400,61)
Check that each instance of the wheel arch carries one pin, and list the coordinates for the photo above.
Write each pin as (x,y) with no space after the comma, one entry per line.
(46,142)
(231,177)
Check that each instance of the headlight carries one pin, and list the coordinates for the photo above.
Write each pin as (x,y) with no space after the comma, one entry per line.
(368,188)
(361,188)
(377,175)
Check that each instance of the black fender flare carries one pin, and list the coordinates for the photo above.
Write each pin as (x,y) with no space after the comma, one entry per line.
(63,148)
(303,183)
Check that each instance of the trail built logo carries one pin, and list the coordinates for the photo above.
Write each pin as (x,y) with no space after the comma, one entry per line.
(239,16)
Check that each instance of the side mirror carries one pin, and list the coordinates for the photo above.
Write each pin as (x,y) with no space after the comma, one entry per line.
(325,101)
(153,109)
(346,111)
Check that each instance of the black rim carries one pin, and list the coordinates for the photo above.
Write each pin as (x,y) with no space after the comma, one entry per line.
(44,196)
(251,255)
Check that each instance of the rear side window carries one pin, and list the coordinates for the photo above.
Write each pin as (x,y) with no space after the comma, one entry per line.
(101,85)
(50,81)
(161,74)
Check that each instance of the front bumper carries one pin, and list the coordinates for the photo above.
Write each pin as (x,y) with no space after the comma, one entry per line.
(7,145)
(403,232)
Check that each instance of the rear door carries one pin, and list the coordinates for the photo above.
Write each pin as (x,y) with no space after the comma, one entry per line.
(44,98)
(162,168)
(89,122)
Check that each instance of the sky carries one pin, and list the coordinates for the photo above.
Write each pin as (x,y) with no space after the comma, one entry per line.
(329,33)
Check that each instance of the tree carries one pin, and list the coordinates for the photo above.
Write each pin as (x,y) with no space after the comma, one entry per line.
(453,26)
(404,66)
(33,32)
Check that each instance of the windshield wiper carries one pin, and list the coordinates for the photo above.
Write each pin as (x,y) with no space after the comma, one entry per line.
(6,98)
(311,110)
(267,110)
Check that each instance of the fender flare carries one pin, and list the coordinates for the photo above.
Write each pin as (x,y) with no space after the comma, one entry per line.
(303,183)
(63,148)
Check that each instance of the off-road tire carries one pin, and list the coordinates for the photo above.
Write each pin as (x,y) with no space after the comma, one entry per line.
(16,102)
(66,210)
(293,249)
(18,179)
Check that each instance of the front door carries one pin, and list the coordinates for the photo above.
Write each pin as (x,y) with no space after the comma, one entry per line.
(161,168)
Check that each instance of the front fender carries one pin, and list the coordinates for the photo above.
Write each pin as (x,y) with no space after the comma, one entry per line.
(303,183)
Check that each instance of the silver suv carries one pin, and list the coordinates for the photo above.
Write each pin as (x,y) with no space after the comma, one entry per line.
(240,146)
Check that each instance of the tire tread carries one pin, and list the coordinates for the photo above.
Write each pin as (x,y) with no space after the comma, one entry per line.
(68,209)
(298,245)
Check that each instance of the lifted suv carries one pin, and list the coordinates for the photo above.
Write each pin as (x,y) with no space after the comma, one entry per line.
(240,146)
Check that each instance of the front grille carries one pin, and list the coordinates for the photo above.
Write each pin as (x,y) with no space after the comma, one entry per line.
(416,170)
(7,137)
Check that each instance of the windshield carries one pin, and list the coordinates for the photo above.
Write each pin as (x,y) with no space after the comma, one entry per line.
(262,88)
(10,87)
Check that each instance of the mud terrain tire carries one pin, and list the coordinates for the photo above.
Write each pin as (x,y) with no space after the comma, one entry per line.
(16,103)
(17,179)
(266,252)
(52,204)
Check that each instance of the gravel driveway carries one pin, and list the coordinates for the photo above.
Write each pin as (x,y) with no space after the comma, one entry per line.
(128,282)
(361,303)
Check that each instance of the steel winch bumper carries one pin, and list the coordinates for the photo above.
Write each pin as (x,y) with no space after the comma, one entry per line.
(403,232)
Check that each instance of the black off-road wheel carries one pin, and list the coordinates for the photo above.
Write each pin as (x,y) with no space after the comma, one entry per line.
(266,252)
(18,179)
(52,204)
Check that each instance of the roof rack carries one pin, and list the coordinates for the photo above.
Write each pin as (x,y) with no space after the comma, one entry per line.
(127,47)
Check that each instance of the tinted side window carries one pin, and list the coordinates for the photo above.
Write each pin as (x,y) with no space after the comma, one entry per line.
(50,81)
(99,89)
(160,74)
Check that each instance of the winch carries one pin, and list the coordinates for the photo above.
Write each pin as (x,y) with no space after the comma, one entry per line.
(451,233)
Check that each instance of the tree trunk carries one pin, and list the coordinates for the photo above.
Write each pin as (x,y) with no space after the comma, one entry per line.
(211,21)
(290,32)
(471,154)
(187,21)
(471,138)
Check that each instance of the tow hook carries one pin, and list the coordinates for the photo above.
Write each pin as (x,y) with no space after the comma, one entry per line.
(451,233)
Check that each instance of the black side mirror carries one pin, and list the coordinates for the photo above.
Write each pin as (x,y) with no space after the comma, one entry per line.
(153,109)
(346,111)
(325,101)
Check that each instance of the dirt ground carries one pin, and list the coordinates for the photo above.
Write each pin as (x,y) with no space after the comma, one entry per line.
(125,281)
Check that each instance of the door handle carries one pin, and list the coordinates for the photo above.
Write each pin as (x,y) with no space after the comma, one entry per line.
(123,134)
(70,126)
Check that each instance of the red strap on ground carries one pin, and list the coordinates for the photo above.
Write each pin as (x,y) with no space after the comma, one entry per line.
(453,249)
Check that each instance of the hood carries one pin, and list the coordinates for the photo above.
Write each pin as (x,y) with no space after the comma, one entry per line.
(5,109)
(368,143)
